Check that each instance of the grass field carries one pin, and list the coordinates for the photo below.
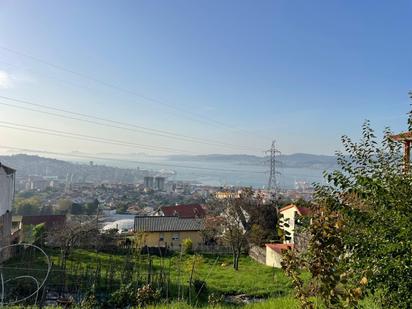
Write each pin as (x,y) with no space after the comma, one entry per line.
(252,278)
(269,285)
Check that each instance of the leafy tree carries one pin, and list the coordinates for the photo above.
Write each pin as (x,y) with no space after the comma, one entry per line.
(46,210)
(64,205)
(374,197)
(92,207)
(39,234)
(365,209)
(76,209)
(28,206)
(263,220)
(325,260)
(121,208)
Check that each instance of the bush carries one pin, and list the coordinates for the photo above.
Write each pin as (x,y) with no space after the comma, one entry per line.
(147,295)
(123,297)
(187,246)
(90,301)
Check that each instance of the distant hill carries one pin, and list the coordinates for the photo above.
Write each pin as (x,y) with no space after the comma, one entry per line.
(304,160)
(297,160)
(27,165)
(218,157)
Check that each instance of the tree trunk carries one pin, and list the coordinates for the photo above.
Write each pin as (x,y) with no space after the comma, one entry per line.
(235,260)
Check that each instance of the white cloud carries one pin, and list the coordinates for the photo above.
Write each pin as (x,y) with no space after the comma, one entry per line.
(5,80)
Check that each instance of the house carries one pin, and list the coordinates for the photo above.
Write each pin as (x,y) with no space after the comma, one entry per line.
(288,219)
(274,254)
(183,211)
(50,221)
(7,184)
(289,216)
(168,232)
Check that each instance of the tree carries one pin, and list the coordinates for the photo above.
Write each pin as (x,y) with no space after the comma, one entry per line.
(72,234)
(76,209)
(263,222)
(91,208)
(246,218)
(64,205)
(365,208)
(27,206)
(213,229)
(39,234)
(324,259)
(46,209)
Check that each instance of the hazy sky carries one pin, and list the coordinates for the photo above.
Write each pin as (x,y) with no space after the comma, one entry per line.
(238,73)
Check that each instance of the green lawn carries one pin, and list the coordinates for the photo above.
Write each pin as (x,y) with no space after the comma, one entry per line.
(252,279)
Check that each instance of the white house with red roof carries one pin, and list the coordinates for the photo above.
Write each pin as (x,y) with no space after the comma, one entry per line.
(288,217)
(274,254)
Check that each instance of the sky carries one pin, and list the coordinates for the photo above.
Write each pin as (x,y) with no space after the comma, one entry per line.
(198,77)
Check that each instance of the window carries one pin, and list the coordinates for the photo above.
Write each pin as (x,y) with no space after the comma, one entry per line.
(161,237)
(176,236)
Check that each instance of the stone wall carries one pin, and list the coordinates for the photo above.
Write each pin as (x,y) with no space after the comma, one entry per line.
(258,254)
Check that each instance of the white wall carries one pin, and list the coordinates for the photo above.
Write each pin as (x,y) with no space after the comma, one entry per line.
(6,191)
(289,216)
(273,259)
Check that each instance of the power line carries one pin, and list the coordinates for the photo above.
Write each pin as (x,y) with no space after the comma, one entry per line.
(117,124)
(88,157)
(33,129)
(199,117)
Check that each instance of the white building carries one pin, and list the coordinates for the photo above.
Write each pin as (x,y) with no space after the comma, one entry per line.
(288,219)
(7,183)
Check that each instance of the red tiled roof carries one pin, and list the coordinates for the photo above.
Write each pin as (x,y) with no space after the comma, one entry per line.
(405,136)
(303,211)
(48,220)
(279,247)
(184,211)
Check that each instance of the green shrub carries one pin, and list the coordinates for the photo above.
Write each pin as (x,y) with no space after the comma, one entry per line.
(187,245)
(147,295)
(123,297)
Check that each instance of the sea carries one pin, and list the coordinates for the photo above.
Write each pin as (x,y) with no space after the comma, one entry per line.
(218,173)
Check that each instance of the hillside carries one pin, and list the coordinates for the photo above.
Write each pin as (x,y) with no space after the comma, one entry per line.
(297,160)
(35,165)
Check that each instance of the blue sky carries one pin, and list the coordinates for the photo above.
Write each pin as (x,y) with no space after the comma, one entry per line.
(300,72)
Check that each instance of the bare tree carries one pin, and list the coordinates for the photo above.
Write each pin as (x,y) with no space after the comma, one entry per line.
(70,235)
(247,218)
